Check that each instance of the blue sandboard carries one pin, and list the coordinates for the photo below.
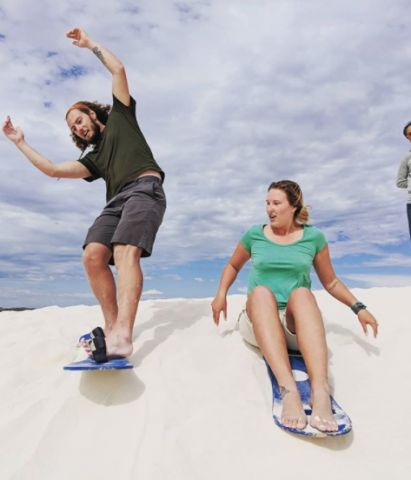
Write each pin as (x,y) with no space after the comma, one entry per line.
(90,364)
(300,375)
(84,338)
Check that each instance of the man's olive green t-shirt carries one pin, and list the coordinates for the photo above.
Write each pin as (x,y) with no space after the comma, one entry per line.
(123,153)
(282,268)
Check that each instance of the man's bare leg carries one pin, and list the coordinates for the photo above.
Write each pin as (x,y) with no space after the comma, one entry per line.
(96,259)
(119,340)
(262,310)
(303,311)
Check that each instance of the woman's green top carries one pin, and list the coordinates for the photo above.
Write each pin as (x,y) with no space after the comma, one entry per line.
(282,267)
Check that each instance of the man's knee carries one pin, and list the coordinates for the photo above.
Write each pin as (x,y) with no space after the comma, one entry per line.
(128,253)
(96,255)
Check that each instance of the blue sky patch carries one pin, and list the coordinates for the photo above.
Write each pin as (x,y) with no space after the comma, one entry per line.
(132,9)
(74,71)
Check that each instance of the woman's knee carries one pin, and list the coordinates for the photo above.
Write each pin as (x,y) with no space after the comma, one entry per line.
(301,293)
(301,297)
(262,295)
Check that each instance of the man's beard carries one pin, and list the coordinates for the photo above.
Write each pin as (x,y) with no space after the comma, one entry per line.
(95,139)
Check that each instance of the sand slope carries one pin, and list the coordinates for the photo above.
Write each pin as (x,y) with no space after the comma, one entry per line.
(198,403)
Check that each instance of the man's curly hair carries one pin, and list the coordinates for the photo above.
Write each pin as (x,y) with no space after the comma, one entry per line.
(101,110)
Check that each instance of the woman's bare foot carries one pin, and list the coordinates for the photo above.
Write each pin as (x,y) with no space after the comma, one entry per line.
(322,417)
(292,415)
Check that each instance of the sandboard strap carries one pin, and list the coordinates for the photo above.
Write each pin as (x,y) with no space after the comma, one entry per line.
(98,345)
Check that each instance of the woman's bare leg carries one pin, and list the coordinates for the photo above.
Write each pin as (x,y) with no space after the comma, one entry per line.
(262,310)
(303,314)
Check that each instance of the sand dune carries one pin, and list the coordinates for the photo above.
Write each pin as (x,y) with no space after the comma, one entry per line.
(198,403)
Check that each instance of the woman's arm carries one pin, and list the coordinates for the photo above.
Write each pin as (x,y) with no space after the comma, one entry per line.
(336,288)
(109,60)
(228,276)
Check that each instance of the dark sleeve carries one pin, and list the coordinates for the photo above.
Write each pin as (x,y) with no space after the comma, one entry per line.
(87,161)
(120,107)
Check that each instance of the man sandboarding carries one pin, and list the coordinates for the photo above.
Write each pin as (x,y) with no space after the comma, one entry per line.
(125,230)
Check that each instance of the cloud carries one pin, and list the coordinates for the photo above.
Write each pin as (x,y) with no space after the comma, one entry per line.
(172,276)
(152,293)
(192,11)
(380,280)
(393,260)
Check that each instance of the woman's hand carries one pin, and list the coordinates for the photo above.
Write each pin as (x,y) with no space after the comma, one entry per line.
(367,319)
(218,305)
(80,38)
(15,134)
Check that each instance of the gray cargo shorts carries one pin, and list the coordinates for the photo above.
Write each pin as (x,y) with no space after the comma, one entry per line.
(132,217)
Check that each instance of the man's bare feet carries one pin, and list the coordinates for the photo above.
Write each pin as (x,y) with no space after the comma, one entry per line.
(117,343)
(292,415)
(322,417)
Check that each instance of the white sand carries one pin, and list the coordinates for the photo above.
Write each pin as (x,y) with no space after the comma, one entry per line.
(198,403)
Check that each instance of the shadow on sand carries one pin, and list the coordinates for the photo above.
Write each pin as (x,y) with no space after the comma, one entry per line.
(360,341)
(166,322)
(111,387)
(117,387)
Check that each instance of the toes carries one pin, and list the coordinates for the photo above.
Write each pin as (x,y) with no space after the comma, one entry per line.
(285,421)
(319,424)
(323,424)
(330,425)
(298,423)
(333,426)
(301,423)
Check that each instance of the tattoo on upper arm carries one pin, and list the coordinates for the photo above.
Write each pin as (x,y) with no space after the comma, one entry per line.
(99,54)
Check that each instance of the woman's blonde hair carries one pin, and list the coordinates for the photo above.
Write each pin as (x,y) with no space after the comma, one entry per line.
(295,199)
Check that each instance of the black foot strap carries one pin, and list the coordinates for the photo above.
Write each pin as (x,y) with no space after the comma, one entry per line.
(98,345)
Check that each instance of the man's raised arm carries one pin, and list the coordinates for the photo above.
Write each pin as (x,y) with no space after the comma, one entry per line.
(111,62)
(70,169)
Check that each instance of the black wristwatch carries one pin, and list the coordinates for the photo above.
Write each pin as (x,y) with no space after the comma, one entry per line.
(357,307)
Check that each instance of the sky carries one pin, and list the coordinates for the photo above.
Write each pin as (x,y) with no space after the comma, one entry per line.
(231,95)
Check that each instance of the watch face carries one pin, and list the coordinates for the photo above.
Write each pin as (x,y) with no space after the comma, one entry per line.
(357,307)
